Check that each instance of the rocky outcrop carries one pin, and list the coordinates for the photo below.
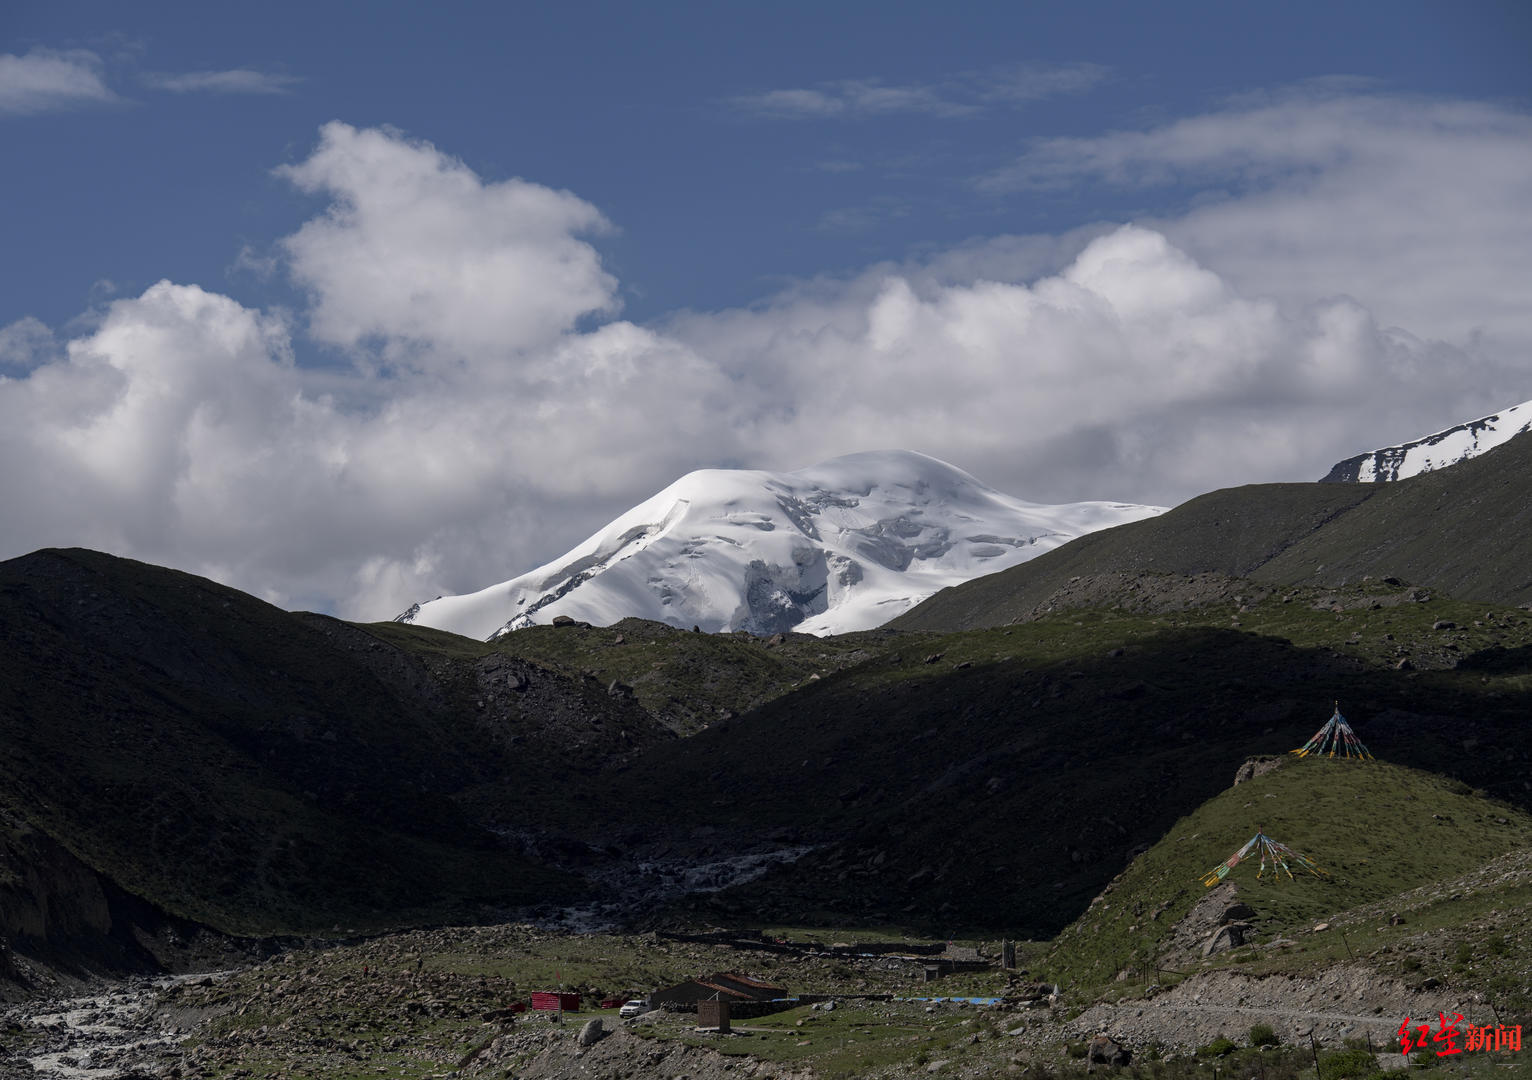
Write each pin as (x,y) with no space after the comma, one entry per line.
(1258,766)
(1229,936)
(1216,923)
(1103,1050)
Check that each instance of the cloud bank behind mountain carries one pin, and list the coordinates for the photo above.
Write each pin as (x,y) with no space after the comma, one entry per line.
(460,398)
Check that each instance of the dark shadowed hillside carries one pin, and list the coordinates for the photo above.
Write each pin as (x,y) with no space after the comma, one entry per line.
(1001,777)
(1465,530)
(258,770)
(176,750)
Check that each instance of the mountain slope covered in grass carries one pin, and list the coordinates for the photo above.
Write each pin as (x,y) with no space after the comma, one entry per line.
(1377,829)
(1466,530)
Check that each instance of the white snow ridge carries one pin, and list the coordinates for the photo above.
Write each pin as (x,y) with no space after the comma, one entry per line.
(1434,451)
(844,545)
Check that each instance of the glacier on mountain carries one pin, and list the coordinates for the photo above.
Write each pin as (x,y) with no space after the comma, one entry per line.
(840,546)
(1435,451)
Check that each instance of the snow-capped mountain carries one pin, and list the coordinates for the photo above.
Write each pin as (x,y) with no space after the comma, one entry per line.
(844,545)
(1434,451)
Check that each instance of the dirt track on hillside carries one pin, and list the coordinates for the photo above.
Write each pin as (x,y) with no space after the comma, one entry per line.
(1347,1001)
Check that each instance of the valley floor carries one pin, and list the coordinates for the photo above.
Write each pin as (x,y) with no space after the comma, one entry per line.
(434,1003)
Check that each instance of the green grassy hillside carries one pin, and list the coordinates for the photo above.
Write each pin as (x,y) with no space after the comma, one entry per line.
(1465,530)
(1376,828)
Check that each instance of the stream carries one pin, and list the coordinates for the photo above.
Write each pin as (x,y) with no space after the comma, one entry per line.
(96,1037)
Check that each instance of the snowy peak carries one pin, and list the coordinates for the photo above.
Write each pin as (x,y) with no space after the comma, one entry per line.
(844,545)
(1434,451)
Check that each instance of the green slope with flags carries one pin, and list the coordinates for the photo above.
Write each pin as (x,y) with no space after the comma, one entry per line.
(1375,828)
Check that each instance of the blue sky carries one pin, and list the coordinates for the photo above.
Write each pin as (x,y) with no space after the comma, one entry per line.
(642,110)
(1080,250)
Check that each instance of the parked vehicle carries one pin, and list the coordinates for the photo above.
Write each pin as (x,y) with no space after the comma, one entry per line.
(630,1009)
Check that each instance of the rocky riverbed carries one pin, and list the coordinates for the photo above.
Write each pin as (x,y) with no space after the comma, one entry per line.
(118,1032)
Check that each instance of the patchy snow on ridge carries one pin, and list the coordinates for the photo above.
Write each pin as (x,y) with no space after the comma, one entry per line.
(1434,451)
(840,546)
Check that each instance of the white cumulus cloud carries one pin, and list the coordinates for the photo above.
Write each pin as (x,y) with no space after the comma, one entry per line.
(419,254)
(1415,208)
(495,410)
(181,431)
(1115,378)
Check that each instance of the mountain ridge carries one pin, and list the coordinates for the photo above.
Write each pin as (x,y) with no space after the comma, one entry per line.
(1438,450)
(1466,530)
